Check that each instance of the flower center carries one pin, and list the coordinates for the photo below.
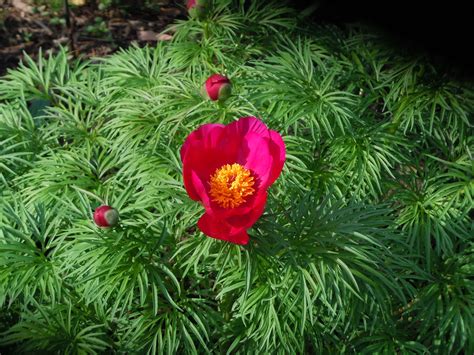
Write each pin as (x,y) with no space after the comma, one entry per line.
(230,185)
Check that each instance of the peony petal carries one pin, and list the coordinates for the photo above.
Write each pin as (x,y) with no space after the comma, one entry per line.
(219,79)
(212,91)
(210,131)
(198,165)
(218,229)
(195,188)
(244,216)
(278,152)
(255,155)
(199,143)
(202,159)
(247,124)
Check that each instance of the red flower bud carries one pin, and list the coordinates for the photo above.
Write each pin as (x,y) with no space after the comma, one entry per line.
(106,216)
(218,87)
(197,8)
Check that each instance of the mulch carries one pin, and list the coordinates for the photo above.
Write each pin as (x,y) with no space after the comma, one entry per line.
(88,31)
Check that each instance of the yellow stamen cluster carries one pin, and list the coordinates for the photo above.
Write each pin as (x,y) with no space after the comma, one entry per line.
(230,185)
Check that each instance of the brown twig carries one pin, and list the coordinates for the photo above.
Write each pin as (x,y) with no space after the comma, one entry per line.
(69,24)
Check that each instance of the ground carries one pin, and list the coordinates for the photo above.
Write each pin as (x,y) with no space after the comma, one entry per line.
(93,30)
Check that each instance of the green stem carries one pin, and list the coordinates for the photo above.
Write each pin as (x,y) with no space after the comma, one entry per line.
(206,31)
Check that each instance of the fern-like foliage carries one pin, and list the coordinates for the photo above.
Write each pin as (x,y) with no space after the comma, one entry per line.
(365,245)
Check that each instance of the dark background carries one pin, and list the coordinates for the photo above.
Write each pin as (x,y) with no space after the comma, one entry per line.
(442,30)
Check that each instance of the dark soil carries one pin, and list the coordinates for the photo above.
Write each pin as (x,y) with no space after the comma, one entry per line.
(88,31)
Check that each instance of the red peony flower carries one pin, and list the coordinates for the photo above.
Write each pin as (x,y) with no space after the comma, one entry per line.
(106,216)
(218,87)
(229,169)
